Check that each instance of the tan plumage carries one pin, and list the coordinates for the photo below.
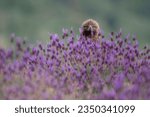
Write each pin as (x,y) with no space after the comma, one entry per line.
(90,28)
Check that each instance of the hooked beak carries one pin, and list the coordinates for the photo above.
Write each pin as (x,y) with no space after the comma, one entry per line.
(90,28)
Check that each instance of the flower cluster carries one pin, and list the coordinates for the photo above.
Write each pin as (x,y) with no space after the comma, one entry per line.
(76,67)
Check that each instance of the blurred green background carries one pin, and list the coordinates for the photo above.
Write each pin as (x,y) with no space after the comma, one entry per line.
(33,19)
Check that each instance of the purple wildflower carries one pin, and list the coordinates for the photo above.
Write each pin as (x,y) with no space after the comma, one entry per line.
(75,67)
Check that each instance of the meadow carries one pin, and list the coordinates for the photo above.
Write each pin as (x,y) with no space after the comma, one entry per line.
(72,66)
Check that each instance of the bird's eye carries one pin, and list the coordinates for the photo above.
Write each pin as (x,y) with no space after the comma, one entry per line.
(85,27)
(94,27)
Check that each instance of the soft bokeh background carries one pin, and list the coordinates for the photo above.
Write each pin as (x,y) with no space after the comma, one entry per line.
(33,19)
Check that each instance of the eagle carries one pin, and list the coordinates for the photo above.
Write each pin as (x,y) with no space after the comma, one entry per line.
(90,28)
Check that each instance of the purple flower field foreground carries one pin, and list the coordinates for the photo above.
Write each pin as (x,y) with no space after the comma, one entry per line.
(75,67)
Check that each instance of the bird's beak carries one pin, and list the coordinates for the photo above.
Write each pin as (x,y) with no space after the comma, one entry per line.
(90,27)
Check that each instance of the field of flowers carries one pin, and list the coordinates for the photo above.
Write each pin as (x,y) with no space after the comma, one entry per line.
(75,67)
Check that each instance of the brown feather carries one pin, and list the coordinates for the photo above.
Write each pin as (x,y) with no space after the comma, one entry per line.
(90,28)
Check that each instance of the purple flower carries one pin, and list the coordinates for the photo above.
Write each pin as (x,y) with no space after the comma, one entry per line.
(118,81)
(75,67)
